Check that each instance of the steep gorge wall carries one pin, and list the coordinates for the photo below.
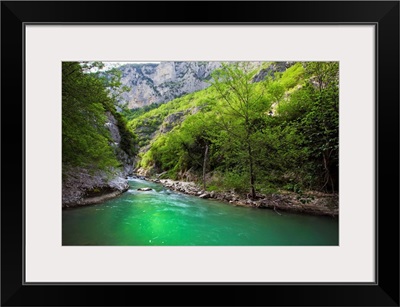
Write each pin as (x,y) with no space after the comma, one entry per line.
(157,83)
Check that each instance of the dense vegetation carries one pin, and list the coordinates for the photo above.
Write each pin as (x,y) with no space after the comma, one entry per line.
(279,133)
(136,112)
(86,141)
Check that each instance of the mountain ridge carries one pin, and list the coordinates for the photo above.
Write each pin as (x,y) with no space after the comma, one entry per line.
(150,83)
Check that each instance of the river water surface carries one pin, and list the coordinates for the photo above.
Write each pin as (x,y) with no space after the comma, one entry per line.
(163,217)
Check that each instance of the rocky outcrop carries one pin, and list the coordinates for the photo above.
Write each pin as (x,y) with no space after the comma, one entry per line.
(313,203)
(112,126)
(271,69)
(171,121)
(145,189)
(81,187)
(126,161)
(157,83)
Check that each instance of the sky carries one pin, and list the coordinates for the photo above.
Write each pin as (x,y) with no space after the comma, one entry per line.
(108,65)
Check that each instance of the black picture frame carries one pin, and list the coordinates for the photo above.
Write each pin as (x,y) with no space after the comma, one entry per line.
(383,14)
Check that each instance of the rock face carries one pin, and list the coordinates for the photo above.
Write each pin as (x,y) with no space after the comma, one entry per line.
(270,70)
(112,126)
(157,83)
(82,187)
(122,156)
(170,121)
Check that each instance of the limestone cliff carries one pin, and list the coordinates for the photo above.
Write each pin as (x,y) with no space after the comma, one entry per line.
(157,83)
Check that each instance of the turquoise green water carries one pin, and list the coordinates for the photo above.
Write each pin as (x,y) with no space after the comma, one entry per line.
(163,217)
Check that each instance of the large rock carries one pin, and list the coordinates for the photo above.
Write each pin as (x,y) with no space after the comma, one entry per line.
(145,189)
(79,185)
(118,183)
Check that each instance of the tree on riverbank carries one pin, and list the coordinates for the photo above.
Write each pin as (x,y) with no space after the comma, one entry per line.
(241,115)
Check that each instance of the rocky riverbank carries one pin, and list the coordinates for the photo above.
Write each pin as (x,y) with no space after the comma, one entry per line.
(81,188)
(315,203)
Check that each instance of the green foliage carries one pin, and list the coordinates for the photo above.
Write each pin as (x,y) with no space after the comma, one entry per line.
(146,124)
(111,81)
(128,139)
(294,187)
(292,76)
(299,104)
(314,112)
(280,133)
(239,182)
(131,114)
(244,105)
(85,138)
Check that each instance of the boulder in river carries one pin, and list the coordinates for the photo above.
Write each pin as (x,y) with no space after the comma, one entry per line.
(144,189)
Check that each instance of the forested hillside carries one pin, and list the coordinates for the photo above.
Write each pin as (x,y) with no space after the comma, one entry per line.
(253,130)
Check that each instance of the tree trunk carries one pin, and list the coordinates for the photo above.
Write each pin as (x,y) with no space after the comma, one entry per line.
(253,191)
(204,167)
(328,175)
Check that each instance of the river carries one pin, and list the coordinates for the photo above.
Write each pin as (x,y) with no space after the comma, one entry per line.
(163,217)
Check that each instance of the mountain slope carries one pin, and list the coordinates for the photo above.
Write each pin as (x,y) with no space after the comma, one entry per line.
(150,83)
